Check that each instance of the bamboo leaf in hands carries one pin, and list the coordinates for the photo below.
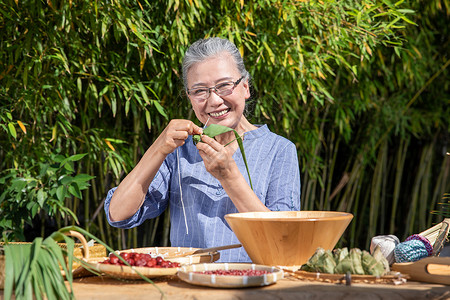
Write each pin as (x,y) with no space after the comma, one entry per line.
(214,130)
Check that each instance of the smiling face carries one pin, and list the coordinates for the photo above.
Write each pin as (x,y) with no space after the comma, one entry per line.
(223,110)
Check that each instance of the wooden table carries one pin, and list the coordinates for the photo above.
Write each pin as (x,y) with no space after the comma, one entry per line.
(288,288)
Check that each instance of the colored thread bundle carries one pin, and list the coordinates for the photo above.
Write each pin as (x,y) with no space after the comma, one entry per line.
(414,248)
(387,244)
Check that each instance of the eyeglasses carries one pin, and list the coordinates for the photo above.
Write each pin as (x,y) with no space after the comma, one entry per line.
(221,89)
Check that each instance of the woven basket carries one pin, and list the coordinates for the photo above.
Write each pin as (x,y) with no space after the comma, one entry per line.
(437,235)
(82,251)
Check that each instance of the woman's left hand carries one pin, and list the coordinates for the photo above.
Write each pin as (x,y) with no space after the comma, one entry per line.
(218,159)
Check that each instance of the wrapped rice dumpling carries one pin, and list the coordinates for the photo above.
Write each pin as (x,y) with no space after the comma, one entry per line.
(340,254)
(355,255)
(379,256)
(326,263)
(322,261)
(311,264)
(351,263)
(370,265)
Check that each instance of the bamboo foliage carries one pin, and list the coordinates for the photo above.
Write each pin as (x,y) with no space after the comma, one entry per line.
(360,87)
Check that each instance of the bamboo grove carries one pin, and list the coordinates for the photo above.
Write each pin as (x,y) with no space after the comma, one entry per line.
(361,88)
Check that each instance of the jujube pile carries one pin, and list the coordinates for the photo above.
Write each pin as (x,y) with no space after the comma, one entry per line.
(140,260)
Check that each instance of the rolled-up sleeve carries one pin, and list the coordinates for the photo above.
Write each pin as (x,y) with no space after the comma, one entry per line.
(156,200)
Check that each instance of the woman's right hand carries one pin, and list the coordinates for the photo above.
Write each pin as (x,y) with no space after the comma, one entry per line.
(175,135)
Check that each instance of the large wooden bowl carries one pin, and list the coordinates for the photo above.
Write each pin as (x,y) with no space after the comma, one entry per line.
(287,238)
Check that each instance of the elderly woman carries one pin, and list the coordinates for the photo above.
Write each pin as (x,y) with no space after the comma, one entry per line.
(204,182)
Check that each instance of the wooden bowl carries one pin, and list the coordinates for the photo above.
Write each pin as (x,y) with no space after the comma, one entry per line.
(287,238)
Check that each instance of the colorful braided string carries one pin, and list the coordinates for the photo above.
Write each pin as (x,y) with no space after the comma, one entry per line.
(425,241)
(414,248)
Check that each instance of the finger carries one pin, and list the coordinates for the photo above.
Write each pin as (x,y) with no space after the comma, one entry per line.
(206,151)
(205,148)
(212,143)
(190,128)
(179,135)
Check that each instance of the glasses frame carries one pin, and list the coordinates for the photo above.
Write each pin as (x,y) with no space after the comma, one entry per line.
(235,84)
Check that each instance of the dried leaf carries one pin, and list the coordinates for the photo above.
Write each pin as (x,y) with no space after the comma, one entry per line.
(24,129)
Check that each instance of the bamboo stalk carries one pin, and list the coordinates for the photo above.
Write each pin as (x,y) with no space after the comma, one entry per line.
(424,209)
(87,199)
(154,230)
(356,194)
(410,219)
(400,166)
(353,177)
(334,146)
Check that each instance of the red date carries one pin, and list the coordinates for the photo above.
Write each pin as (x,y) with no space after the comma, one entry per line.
(235,272)
(140,260)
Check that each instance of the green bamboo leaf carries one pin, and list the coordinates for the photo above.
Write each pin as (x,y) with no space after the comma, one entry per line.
(406,11)
(127,107)
(160,109)
(214,130)
(143,92)
(408,20)
(12,130)
(270,52)
(117,141)
(241,147)
(64,163)
(76,157)
(148,119)
(25,77)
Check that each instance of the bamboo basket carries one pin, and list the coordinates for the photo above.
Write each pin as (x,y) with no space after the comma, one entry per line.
(437,235)
(433,269)
(82,250)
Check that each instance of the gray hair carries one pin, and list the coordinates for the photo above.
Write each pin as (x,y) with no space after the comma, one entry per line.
(211,47)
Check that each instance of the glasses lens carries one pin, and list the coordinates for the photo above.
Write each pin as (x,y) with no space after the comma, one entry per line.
(199,94)
(225,88)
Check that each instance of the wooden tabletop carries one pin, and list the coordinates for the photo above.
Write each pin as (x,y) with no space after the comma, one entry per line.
(103,287)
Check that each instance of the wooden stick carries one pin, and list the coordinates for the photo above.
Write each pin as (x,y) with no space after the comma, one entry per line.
(205,250)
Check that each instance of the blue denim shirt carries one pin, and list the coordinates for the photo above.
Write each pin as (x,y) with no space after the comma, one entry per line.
(274,170)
